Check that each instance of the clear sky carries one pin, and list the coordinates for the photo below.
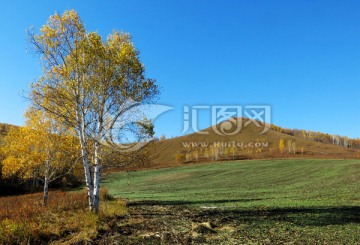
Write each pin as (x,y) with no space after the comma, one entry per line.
(300,57)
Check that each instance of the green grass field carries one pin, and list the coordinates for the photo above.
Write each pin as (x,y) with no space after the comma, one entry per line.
(273,183)
(263,202)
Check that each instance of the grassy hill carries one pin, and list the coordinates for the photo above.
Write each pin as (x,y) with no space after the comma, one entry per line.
(163,153)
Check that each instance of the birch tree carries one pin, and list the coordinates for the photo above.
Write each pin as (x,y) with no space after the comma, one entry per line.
(92,85)
(289,145)
(41,149)
(281,145)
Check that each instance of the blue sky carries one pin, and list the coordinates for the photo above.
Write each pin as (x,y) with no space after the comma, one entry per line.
(300,57)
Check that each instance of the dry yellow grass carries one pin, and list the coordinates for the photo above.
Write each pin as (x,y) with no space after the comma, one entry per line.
(66,219)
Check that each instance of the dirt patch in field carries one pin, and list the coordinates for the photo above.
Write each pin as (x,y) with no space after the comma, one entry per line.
(149,223)
(155,222)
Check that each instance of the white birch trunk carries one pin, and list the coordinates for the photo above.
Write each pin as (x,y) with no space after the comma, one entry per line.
(88,182)
(87,172)
(97,177)
(46,189)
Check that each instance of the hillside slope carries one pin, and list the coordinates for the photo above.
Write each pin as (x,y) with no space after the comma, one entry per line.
(165,151)
(4,129)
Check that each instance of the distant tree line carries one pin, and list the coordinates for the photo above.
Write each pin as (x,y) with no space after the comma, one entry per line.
(320,137)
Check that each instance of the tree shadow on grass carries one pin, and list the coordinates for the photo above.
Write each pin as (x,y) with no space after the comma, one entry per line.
(307,216)
(312,216)
(183,202)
